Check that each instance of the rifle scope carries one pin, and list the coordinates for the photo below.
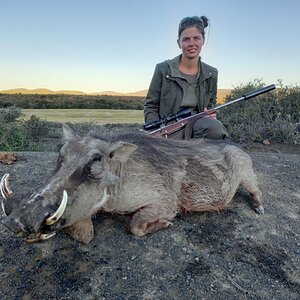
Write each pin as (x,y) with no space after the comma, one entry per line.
(183,113)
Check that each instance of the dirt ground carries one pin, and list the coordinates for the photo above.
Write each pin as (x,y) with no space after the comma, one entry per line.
(233,254)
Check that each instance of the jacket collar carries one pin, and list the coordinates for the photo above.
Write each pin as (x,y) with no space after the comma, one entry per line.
(174,63)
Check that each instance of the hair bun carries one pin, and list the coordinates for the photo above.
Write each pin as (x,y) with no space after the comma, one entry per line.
(205,21)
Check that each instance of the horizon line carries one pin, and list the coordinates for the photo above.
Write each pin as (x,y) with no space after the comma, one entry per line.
(43,90)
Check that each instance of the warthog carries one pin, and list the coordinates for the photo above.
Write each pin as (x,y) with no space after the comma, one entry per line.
(151,178)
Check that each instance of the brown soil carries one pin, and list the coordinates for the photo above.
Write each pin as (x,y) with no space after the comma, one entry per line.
(233,254)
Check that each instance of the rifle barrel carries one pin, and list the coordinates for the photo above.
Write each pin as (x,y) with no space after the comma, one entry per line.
(248,96)
(259,91)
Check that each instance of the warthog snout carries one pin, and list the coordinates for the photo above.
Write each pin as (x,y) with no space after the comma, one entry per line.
(33,220)
(14,225)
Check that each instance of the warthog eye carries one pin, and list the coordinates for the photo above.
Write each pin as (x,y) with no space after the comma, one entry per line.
(89,169)
(97,157)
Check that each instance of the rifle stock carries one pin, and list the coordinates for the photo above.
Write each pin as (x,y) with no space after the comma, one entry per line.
(166,129)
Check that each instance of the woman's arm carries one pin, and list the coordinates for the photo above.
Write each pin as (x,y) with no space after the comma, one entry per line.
(152,103)
(213,100)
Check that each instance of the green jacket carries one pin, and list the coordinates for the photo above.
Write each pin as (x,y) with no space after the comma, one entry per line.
(166,91)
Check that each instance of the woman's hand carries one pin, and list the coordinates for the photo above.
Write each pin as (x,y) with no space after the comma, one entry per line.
(212,116)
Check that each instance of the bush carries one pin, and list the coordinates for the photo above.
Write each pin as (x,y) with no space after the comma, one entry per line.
(37,128)
(20,135)
(72,101)
(273,116)
(13,137)
(10,114)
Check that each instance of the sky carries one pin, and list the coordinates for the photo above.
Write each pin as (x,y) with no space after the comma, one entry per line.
(114,45)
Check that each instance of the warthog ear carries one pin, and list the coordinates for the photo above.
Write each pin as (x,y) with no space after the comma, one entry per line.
(68,133)
(121,151)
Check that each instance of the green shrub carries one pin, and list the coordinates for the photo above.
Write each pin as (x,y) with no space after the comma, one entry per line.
(13,137)
(273,116)
(36,128)
(72,101)
(10,114)
(20,135)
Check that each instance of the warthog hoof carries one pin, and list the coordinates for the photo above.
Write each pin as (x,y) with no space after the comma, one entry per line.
(151,227)
(260,210)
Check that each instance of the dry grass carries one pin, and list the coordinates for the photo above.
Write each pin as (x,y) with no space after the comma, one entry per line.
(96,116)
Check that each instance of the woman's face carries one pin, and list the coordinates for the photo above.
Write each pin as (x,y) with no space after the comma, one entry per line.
(190,42)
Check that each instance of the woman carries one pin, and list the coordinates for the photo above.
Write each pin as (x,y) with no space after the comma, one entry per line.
(186,81)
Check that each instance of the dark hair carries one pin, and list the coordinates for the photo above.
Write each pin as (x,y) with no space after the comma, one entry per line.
(199,22)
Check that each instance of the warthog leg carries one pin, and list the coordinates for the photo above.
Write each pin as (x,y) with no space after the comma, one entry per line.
(151,218)
(249,182)
(82,231)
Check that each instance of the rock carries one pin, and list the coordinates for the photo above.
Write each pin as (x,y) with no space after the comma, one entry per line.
(8,158)
(266,142)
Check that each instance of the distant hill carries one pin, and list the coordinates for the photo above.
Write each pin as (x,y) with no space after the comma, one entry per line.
(109,93)
(44,91)
(221,92)
(70,92)
(141,93)
(41,91)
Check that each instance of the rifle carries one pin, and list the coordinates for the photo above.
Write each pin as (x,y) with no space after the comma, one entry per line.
(184,119)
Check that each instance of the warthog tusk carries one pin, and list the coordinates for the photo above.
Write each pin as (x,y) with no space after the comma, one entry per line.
(57,215)
(42,237)
(32,240)
(4,186)
(5,190)
(47,236)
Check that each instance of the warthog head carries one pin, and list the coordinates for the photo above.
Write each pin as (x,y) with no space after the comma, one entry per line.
(77,189)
